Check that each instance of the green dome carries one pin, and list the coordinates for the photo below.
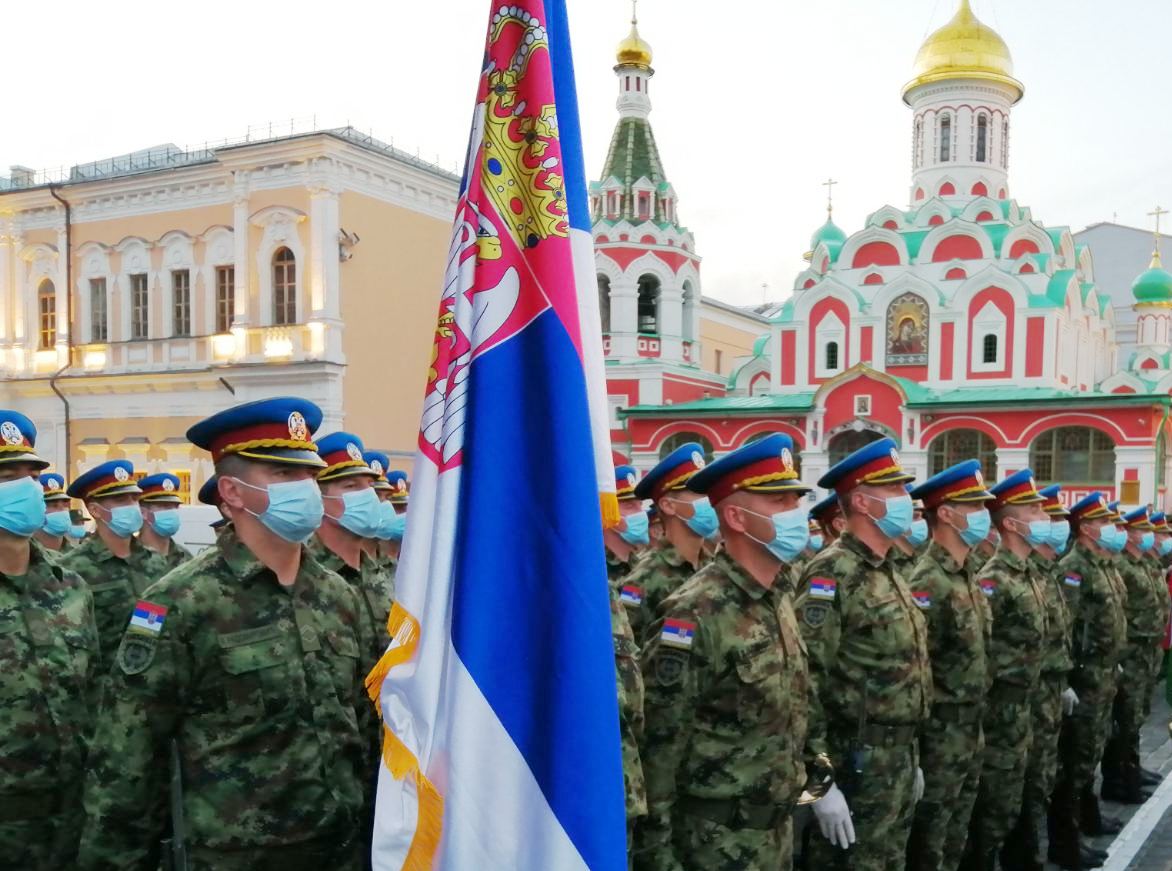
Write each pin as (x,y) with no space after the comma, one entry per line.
(1155,285)
(828,233)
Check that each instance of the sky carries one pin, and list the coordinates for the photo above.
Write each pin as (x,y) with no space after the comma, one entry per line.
(755,103)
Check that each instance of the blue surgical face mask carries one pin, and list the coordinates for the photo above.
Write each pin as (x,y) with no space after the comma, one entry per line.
(22,506)
(703,521)
(898,519)
(816,542)
(77,530)
(918,533)
(979,523)
(1059,534)
(638,529)
(361,513)
(791,533)
(57,522)
(1107,536)
(1038,533)
(124,520)
(295,508)
(396,527)
(1146,542)
(1166,546)
(386,521)
(166,522)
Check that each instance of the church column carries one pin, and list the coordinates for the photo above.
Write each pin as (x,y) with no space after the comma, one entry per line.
(671,322)
(242,276)
(624,316)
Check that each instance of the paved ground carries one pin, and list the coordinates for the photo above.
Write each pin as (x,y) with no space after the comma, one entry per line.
(1145,844)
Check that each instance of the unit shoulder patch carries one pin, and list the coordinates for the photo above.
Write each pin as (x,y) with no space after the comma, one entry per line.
(670,668)
(136,653)
(814,614)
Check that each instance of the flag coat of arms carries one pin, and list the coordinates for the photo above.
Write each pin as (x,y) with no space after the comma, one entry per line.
(500,713)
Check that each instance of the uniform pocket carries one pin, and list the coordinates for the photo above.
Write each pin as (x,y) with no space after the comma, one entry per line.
(759,686)
(255,663)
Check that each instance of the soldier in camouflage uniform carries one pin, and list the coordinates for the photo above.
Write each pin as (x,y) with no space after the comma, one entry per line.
(159,503)
(1018,602)
(48,671)
(817,542)
(959,626)
(688,521)
(830,520)
(52,536)
(114,563)
(383,547)
(1122,777)
(1054,695)
(351,519)
(1098,638)
(869,667)
(619,551)
(248,657)
(726,682)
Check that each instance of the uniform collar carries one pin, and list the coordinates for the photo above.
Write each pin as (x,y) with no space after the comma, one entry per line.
(1011,559)
(725,564)
(940,554)
(849,541)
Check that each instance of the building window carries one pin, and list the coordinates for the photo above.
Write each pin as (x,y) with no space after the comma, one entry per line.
(649,304)
(950,448)
(284,287)
(225,297)
(604,302)
(1074,455)
(1004,143)
(139,306)
(682,438)
(99,323)
(989,348)
(181,302)
(982,138)
(47,314)
(831,356)
(846,443)
(945,138)
(719,361)
(644,206)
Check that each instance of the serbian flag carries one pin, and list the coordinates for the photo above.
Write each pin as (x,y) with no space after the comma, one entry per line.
(501,739)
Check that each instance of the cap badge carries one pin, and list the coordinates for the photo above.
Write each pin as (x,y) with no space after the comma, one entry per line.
(697,459)
(298,429)
(979,478)
(787,459)
(895,456)
(168,485)
(376,467)
(400,484)
(11,433)
(120,474)
(631,478)
(352,450)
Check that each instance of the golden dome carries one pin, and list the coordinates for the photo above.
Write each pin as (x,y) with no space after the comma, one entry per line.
(634,50)
(964,48)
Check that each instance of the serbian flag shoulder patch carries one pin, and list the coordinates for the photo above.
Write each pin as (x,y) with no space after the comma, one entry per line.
(823,588)
(148,617)
(988,586)
(1072,579)
(677,633)
(631,595)
(922,598)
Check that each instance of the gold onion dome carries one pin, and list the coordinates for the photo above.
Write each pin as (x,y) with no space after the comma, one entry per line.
(964,48)
(634,51)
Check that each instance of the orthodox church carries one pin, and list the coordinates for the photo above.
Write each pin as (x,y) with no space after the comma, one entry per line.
(960,325)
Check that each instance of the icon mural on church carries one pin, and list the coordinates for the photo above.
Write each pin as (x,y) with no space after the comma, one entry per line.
(907,331)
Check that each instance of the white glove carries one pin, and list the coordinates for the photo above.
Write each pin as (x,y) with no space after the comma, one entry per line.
(918,786)
(834,818)
(1069,701)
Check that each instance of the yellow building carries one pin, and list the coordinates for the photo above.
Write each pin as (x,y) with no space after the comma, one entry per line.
(142,293)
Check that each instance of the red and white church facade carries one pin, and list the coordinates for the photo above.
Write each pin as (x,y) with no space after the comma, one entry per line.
(960,326)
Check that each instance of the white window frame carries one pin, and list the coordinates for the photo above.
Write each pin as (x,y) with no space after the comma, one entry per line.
(989,321)
(830,329)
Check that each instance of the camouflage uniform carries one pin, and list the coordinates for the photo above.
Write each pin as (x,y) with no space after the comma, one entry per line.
(959,628)
(374,587)
(630,688)
(1144,612)
(655,576)
(1098,639)
(726,721)
(262,688)
(48,670)
(116,584)
(871,690)
(1018,603)
(164,562)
